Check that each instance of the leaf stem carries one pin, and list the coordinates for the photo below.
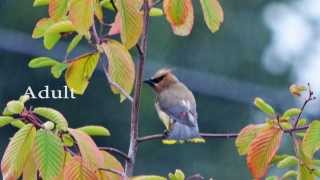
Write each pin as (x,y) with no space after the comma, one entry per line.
(116,151)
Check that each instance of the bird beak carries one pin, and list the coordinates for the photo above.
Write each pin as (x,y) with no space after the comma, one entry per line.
(150,82)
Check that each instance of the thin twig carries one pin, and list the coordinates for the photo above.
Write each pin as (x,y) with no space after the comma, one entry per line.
(112,171)
(116,151)
(133,147)
(116,85)
(114,6)
(156,3)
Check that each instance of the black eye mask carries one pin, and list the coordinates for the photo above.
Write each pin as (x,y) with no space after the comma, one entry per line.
(157,80)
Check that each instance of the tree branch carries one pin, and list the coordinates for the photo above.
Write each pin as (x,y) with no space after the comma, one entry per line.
(133,147)
(116,151)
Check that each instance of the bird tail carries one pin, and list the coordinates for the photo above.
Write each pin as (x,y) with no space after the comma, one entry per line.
(182,132)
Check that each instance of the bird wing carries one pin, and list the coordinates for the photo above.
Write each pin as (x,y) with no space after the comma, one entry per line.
(183,112)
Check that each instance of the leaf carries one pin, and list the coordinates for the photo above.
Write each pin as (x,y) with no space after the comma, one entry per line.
(24,98)
(213,14)
(262,149)
(149,177)
(292,112)
(179,14)
(67,140)
(81,15)
(40,2)
(110,162)
(52,115)
(49,154)
(115,26)
(156,12)
(296,90)
(90,153)
(58,69)
(60,27)
(304,173)
(15,107)
(76,168)
(41,27)
(95,130)
(289,174)
(50,40)
(74,43)
(311,140)
(264,107)
(42,62)
(246,136)
(131,22)
(4,120)
(120,66)
(178,175)
(57,9)
(17,152)
(98,11)
(17,123)
(30,169)
(287,162)
(80,71)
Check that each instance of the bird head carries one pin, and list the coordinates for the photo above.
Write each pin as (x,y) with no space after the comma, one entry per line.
(162,79)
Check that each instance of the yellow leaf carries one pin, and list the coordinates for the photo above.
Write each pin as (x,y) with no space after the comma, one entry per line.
(81,15)
(120,66)
(311,139)
(181,17)
(30,169)
(98,11)
(41,27)
(131,22)
(80,71)
(77,169)
(262,149)
(110,162)
(213,14)
(58,9)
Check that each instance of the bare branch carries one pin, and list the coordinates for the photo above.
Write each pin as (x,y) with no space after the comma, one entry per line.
(116,151)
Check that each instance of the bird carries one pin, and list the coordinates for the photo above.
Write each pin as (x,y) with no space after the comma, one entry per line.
(176,107)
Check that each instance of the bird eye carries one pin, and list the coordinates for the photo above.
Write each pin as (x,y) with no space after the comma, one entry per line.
(157,80)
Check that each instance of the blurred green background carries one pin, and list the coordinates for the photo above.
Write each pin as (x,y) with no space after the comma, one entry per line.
(260,49)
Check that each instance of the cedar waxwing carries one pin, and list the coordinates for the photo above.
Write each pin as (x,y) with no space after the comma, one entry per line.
(176,107)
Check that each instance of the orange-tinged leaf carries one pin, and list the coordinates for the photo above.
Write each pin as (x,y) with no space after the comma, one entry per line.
(120,66)
(81,15)
(67,158)
(17,152)
(110,162)
(262,149)
(98,11)
(30,169)
(176,11)
(90,153)
(80,71)
(184,28)
(213,14)
(246,136)
(78,169)
(41,27)
(57,9)
(131,22)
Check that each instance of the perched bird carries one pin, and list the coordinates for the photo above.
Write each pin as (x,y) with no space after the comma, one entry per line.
(176,107)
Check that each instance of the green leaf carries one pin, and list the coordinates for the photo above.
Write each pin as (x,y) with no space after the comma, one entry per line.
(302,122)
(90,153)
(305,173)
(4,120)
(58,69)
(290,113)
(15,107)
(311,140)
(61,27)
(49,154)
(24,98)
(272,178)
(81,15)
(131,22)
(50,40)
(74,43)
(40,2)
(57,9)
(54,116)
(288,162)
(156,12)
(80,71)
(41,27)
(95,130)
(246,136)
(178,175)
(17,152)
(289,174)
(17,123)
(264,107)
(42,62)
(148,177)
(67,140)
(107,4)
(213,14)
(120,66)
